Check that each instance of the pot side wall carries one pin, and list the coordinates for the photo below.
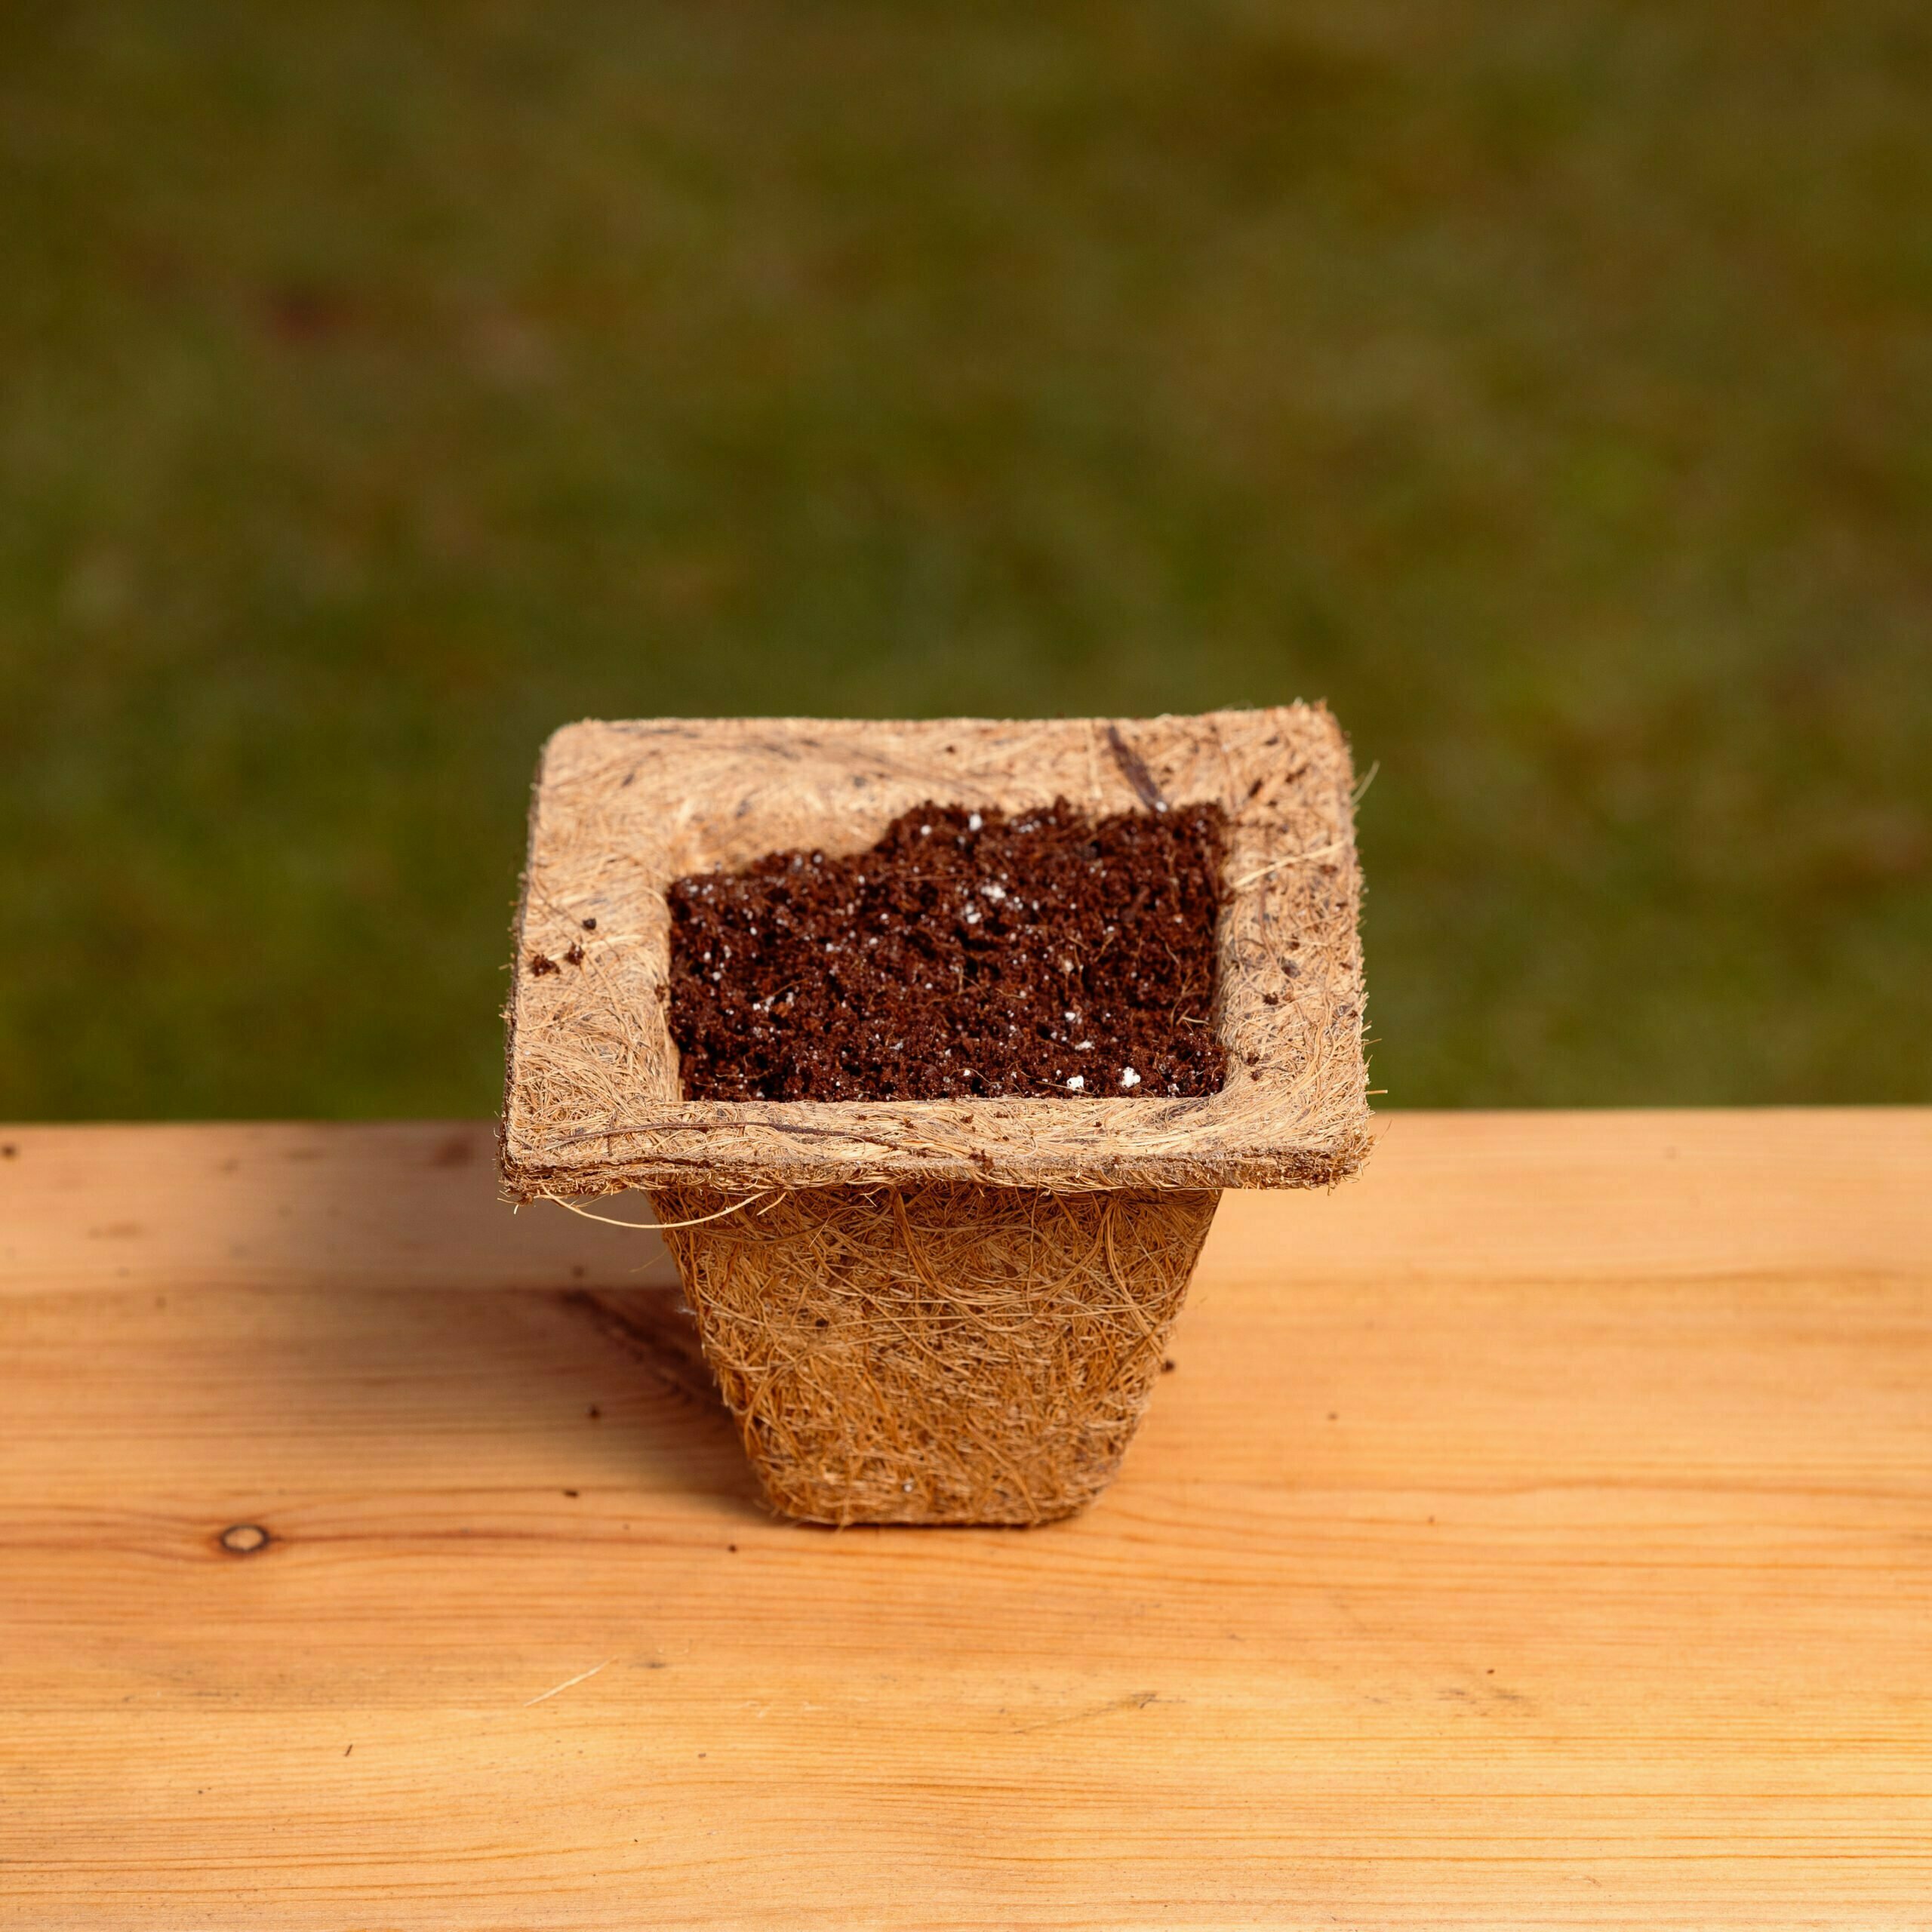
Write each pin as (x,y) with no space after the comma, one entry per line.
(941,1354)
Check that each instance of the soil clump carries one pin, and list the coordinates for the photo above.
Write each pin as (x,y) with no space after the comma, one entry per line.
(967,953)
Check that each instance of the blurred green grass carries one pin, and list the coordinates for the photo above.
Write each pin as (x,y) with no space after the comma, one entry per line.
(1548,387)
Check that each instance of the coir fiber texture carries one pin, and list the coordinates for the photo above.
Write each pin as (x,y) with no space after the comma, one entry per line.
(936,1355)
(952,1309)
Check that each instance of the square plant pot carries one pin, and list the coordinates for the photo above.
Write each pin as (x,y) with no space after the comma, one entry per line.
(947,1311)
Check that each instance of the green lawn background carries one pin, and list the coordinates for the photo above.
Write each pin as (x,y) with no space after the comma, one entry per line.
(1550,387)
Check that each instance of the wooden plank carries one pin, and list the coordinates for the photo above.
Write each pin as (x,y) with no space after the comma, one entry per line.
(403,1205)
(413,1204)
(1465,1574)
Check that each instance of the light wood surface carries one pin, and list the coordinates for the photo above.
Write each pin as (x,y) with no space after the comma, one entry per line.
(1537,1531)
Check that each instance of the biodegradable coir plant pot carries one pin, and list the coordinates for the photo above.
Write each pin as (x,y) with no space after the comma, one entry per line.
(932,1310)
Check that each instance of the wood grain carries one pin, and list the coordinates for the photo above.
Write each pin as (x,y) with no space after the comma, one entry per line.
(401,1205)
(1536,1532)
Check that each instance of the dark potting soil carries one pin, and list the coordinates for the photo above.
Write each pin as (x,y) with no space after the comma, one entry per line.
(966,954)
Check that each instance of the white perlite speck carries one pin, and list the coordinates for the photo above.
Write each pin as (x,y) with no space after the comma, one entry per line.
(1076,1081)
(1129,1077)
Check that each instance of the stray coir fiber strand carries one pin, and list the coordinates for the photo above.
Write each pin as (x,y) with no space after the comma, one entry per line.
(942,1354)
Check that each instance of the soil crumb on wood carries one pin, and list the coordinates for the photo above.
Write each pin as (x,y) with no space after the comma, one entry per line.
(967,953)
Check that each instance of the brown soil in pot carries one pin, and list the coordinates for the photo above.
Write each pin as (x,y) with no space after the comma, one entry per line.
(966,954)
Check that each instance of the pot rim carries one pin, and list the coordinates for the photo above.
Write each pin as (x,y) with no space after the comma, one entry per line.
(620,810)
